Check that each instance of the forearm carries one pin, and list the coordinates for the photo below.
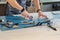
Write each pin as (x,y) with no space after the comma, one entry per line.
(37,4)
(14,4)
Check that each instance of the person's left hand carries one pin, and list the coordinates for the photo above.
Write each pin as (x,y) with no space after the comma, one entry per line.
(40,14)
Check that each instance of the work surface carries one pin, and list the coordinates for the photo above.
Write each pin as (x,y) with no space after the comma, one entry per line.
(33,33)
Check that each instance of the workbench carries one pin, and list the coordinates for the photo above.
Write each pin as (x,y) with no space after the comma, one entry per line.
(2,8)
(49,1)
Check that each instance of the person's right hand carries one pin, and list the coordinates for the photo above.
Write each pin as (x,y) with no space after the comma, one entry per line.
(40,14)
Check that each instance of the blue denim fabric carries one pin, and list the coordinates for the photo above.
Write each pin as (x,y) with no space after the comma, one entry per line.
(11,10)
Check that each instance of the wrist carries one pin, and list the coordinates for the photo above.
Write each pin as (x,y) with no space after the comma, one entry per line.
(38,10)
(22,10)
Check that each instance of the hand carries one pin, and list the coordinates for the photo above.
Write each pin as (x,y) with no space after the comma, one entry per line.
(25,14)
(41,15)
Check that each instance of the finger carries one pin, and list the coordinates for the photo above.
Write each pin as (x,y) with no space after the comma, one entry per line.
(44,16)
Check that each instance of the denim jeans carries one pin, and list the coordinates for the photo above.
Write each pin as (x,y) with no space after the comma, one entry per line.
(11,10)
